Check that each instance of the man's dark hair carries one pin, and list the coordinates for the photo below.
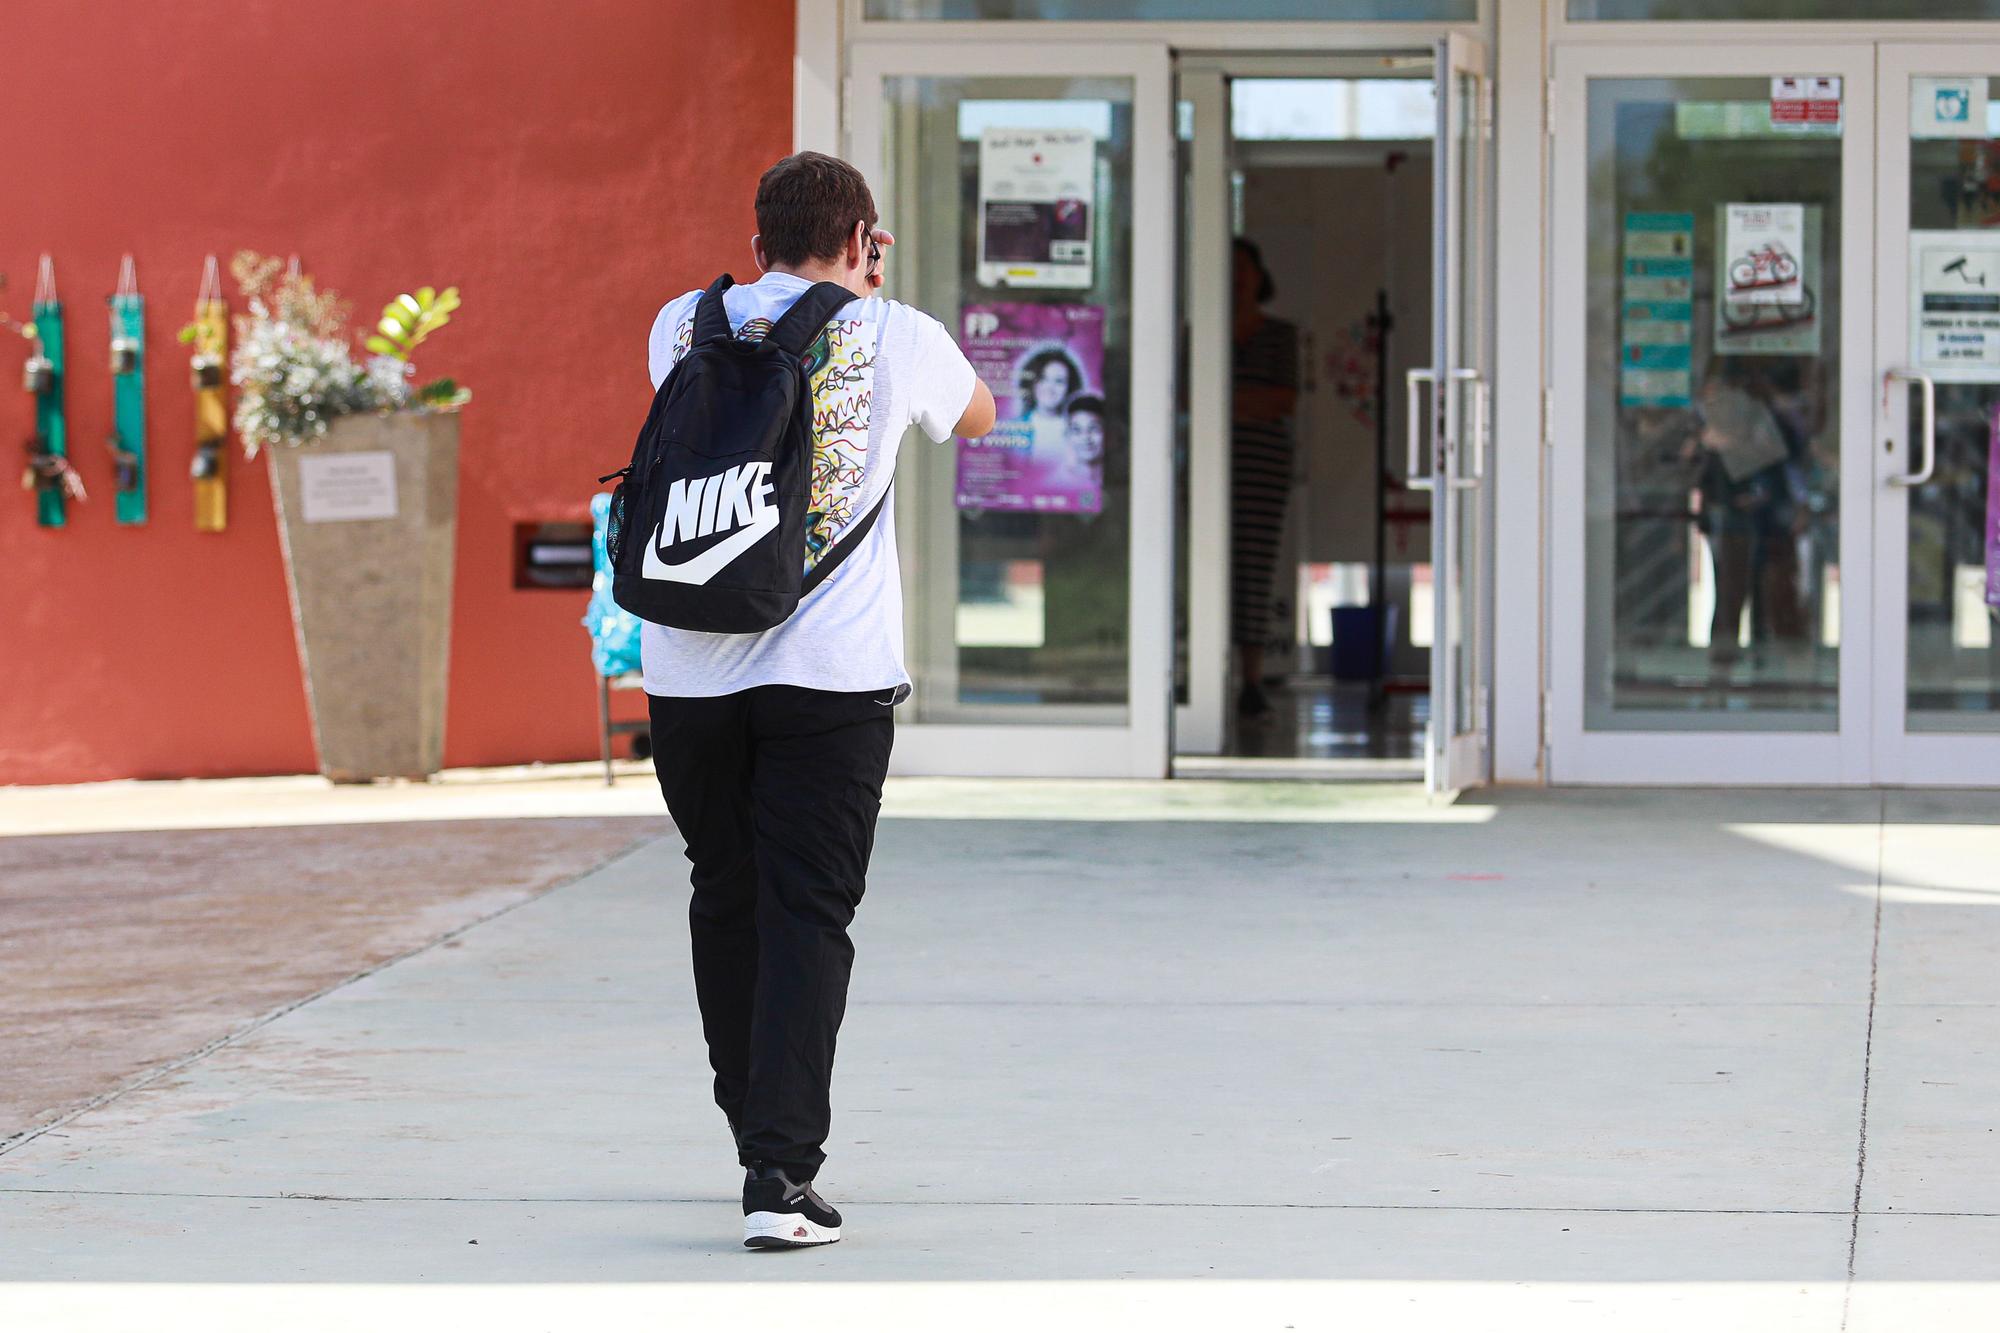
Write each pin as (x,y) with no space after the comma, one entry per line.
(1085,403)
(807,207)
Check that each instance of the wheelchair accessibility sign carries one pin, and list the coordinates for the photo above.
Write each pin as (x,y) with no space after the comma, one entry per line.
(1948,108)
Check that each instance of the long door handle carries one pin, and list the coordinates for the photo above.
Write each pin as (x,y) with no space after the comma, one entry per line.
(1476,436)
(1929,433)
(1415,476)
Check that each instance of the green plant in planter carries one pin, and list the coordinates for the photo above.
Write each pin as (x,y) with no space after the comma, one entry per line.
(293,366)
(405,323)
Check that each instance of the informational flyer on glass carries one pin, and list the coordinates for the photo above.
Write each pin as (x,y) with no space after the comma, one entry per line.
(1035,207)
(1045,365)
(1763,248)
(1955,303)
(1656,311)
(1764,328)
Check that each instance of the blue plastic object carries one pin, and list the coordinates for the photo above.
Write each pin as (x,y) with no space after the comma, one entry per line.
(1357,643)
(614,631)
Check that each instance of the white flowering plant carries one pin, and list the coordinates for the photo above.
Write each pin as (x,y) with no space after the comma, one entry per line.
(295,370)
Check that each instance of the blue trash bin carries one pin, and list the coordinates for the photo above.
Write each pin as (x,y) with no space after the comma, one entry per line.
(1357,643)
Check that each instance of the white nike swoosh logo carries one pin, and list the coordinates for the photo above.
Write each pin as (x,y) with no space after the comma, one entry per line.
(715,559)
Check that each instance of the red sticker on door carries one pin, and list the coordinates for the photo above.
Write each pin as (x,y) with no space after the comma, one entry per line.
(1811,99)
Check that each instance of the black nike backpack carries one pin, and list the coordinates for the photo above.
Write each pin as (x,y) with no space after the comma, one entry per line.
(707,529)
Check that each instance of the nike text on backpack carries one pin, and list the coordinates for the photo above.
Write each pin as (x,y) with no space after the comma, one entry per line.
(707,529)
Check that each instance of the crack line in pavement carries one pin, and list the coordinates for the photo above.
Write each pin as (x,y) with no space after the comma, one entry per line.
(304,1197)
(154,1075)
(1140,1001)
(1867,1059)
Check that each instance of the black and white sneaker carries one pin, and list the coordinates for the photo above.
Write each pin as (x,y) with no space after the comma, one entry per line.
(779,1215)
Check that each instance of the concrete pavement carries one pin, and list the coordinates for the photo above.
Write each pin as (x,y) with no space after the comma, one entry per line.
(1243,1056)
(123,951)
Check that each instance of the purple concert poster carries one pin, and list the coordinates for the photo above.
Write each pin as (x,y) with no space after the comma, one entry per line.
(1993,510)
(1045,365)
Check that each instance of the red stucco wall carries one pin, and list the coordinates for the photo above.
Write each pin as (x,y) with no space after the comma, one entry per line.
(569,166)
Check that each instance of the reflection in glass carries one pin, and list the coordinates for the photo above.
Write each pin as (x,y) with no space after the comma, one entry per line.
(1017,558)
(1953,668)
(1730,10)
(1713,412)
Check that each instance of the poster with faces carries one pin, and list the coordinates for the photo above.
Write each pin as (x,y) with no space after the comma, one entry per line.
(1036,206)
(1045,365)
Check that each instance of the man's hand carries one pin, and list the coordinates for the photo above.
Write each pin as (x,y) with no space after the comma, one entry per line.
(883,240)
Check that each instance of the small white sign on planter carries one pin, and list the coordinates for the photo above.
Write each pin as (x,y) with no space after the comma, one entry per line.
(340,488)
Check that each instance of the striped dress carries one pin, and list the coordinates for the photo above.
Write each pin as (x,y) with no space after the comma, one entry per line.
(1260,480)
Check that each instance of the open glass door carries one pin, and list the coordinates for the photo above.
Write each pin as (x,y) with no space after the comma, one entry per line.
(1031,192)
(1199,726)
(1449,419)
(1936,701)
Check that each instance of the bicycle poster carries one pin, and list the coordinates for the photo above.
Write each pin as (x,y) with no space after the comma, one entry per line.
(1757,328)
(1764,249)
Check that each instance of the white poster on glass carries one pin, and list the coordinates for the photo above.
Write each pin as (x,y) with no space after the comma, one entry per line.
(1955,303)
(1762,328)
(1036,200)
(1763,254)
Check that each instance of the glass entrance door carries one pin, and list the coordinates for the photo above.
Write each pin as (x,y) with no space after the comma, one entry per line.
(1304,105)
(1031,193)
(1448,435)
(1936,467)
(1712,465)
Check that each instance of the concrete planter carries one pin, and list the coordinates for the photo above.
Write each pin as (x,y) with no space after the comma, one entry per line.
(369,518)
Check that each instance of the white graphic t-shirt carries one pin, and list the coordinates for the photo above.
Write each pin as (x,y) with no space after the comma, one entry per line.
(881,368)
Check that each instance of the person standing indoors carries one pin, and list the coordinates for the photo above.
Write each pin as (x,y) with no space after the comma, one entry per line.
(1264,390)
(771,747)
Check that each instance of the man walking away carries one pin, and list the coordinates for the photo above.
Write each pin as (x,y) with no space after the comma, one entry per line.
(772,747)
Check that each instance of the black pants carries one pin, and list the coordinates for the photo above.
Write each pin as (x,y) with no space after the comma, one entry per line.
(776,791)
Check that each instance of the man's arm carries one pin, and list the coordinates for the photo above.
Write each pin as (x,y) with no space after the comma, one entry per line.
(979,414)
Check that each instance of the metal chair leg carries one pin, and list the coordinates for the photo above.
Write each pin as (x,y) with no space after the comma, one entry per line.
(604,725)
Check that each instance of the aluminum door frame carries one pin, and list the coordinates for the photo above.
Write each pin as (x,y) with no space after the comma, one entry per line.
(1707,757)
(1140,747)
(1903,757)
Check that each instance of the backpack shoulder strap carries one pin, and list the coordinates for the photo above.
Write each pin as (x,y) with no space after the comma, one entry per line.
(849,540)
(799,327)
(711,320)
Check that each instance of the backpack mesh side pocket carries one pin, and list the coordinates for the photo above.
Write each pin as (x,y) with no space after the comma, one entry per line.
(614,525)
